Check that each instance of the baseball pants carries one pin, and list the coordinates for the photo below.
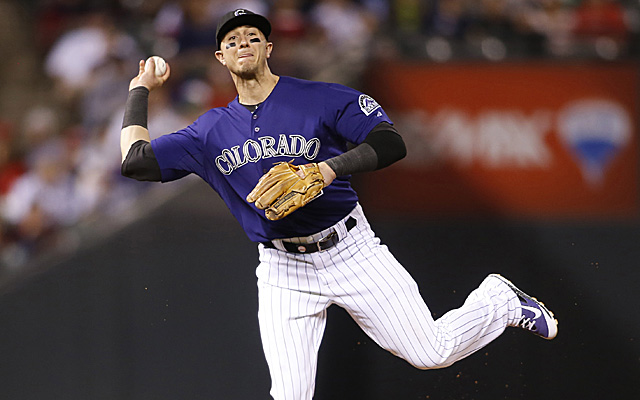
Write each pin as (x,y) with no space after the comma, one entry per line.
(360,275)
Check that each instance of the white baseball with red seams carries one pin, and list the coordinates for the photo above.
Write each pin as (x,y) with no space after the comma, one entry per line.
(161,65)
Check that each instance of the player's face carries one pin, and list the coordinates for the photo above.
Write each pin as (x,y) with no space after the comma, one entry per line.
(244,51)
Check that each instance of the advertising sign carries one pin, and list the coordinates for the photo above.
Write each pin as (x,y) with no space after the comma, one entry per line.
(524,140)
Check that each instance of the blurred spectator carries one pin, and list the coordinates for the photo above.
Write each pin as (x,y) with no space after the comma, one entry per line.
(347,25)
(198,26)
(552,22)
(595,18)
(288,20)
(407,24)
(11,166)
(449,19)
(77,53)
(44,199)
(601,27)
(40,124)
(88,55)
(447,29)
(409,16)
(492,33)
(109,84)
(46,186)
(291,34)
(55,17)
(345,33)
(380,9)
(19,69)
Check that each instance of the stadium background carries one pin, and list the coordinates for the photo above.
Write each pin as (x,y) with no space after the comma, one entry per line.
(522,124)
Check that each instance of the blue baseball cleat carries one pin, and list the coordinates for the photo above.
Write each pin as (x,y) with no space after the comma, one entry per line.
(535,316)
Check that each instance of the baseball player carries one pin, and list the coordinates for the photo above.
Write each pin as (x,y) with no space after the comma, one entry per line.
(277,155)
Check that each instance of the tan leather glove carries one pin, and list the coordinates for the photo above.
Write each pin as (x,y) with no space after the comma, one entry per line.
(282,190)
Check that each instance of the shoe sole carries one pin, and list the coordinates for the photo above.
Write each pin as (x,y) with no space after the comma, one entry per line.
(548,315)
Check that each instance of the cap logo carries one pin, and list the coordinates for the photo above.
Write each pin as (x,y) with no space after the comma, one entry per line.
(240,12)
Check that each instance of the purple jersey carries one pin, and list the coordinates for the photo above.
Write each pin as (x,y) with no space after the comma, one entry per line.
(231,148)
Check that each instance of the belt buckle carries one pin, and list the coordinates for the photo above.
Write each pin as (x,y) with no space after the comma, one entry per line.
(326,239)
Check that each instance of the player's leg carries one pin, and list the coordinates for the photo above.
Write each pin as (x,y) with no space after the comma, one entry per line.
(384,300)
(292,318)
(485,314)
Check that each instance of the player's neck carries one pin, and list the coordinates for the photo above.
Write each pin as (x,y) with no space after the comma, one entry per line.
(255,89)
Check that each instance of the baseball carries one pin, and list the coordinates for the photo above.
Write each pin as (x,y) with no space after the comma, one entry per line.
(161,65)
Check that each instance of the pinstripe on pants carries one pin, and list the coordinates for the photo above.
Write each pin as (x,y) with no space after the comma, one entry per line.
(362,276)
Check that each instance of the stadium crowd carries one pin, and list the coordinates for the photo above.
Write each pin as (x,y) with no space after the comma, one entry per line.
(67,63)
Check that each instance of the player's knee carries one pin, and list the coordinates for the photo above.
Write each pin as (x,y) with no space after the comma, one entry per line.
(430,362)
(430,365)
(294,390)
(424,365)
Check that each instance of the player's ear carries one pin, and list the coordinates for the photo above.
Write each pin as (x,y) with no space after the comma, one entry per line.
(269,49)
(220,57)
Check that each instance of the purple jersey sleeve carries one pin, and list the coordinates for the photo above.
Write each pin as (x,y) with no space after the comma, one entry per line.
(179,153)
(357,115)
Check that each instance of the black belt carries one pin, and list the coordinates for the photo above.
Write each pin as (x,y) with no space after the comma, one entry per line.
(323,244)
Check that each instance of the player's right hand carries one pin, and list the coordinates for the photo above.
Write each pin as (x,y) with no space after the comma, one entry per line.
(148,77)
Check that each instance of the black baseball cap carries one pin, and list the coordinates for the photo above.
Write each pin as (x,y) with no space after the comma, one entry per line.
(241,17)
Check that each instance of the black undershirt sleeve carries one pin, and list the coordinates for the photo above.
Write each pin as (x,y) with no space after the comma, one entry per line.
(141,163)
(382,147)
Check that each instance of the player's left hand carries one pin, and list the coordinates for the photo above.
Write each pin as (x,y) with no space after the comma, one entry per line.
(285,188)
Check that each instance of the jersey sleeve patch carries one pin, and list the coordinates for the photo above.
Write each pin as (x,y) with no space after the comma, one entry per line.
(367,104)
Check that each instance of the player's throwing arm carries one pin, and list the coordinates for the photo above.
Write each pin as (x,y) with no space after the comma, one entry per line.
(152,74)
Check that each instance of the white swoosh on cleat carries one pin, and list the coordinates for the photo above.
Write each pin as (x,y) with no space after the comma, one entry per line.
(537,313)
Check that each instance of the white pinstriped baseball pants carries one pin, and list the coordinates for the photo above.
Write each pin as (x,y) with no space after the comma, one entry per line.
(362,276)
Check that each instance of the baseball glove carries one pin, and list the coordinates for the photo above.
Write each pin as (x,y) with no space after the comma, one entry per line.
(281,190)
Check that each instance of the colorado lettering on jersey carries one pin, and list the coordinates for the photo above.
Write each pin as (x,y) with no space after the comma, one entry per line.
(266,147)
